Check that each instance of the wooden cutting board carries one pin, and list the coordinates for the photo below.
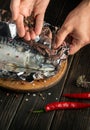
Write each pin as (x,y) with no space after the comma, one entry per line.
(34,85)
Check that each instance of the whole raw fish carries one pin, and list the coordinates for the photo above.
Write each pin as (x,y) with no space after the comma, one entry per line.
(29,60)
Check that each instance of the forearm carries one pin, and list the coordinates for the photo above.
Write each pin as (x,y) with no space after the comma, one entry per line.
(85,4)
(87,1)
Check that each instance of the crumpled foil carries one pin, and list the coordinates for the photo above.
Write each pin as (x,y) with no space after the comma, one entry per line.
(44,48)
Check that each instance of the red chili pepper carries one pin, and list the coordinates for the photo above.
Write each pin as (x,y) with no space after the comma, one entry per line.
(63,106)
(78,95)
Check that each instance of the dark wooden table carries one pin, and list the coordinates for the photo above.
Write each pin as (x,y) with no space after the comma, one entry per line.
(15,107)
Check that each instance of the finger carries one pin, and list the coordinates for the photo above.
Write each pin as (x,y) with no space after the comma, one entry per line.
(61,35)
(32,34)
(39,23)
(20,26)
(14,6)
(27,34)
(75,46)
(25,12)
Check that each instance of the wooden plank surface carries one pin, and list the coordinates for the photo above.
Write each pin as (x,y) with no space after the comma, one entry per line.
(75,119)
(28,120)
(58,10)
(16,108)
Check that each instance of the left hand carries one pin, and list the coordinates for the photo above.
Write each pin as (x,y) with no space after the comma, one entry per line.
(24,8)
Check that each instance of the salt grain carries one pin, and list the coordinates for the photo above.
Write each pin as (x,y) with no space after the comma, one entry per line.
(26,99)
(56,98)
(34,95)
(28,94)
(49,94)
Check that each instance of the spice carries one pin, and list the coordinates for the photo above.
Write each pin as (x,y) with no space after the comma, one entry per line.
(7,94)
(41,95)
(26,99)
(17,95)
(57,98)
(34,95)
(63,106)
(29,21)
(78,95)
(82,82)
(28,94)
(49,94)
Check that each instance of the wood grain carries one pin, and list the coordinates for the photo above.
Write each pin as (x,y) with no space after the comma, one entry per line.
(75,119)
(16,111)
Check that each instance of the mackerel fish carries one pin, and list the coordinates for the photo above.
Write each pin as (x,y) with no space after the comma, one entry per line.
(30,60)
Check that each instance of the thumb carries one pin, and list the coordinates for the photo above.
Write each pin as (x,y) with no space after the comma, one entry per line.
(14,6)
(61,35)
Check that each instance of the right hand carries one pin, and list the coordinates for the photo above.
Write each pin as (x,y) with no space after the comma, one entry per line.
(76,25)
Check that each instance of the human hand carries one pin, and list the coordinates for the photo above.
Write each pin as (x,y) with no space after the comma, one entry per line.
(24,8)
(76,25)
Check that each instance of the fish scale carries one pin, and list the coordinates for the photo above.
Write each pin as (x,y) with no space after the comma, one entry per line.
(19,60)
(22,63)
